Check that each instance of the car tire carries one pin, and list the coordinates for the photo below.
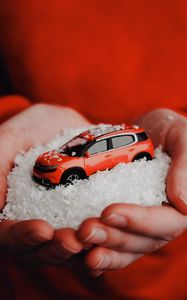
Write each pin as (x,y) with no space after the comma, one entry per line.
(71,177)
(141,156)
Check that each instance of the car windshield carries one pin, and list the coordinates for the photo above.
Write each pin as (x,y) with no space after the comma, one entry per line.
(75,147)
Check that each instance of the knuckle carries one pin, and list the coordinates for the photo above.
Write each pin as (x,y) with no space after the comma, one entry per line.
(40,106)
(61,234)
(112,208)
(140,217)
(98,262)
(43,107)
(6,131)
(154,246)
(93,257)
(181,127)
(41,110)
(184,132)
(171,236)
(122,242)
(89,223)
(164,111)
(10,135)
(86,227)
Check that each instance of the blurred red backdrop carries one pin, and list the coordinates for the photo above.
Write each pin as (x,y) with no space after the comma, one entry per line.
(112,61)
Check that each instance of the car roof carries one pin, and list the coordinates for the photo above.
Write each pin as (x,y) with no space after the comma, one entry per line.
(109,130)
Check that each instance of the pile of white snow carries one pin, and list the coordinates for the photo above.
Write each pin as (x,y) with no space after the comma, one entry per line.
(141,182)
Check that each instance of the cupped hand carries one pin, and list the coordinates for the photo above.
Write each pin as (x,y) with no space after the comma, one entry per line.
(34,241)
(126,232)
(169,129)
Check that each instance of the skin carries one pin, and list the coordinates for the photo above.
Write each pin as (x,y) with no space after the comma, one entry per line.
(35,242)
(129,230)
(124,232)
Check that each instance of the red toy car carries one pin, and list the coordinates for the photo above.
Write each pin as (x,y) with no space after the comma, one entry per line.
(94,150)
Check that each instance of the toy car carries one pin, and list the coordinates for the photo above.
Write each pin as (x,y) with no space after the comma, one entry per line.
(94,150)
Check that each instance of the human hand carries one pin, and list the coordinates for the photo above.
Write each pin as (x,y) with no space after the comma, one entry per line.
(169,129)
(129,231)
(125,232)
(34,241)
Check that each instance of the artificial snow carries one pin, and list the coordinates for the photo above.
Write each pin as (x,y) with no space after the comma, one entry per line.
(141,182)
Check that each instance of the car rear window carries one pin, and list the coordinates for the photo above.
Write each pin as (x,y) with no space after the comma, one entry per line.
(98,147)
(123,140)
(142,136)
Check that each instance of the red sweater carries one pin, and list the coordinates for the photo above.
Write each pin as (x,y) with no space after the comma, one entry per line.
(110,60)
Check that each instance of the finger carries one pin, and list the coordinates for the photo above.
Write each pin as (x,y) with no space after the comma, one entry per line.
(14,135)
(176,185)
(157,123)
(9,146)
(95,232)
(104,259)
(16,236)
(96,273)
(63,246)
(154,221)
(170,130)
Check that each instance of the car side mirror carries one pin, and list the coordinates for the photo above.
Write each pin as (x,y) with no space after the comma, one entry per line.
(87,154)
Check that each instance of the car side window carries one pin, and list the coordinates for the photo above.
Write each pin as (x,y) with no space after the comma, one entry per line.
(142,136)
(98,147)
(122,140)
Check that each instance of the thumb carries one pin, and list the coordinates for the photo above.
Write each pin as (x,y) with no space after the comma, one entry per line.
(176,185)
(26,129)
(10,144)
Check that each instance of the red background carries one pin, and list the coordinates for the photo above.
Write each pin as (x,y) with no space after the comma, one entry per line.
(112,61)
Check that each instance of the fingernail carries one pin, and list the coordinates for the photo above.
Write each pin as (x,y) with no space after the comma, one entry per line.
(61,247)
(96,273)
(97,235)
(88,246)
(36,238)
(183,192)
(104,262)
(115,219)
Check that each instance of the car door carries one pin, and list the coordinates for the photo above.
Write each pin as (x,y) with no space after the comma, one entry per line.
(123,148)
(99,158)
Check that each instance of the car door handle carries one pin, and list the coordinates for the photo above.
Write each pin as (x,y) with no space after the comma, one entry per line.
(131,150)
(108,155)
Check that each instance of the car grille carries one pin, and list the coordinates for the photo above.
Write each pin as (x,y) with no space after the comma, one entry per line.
(44,169)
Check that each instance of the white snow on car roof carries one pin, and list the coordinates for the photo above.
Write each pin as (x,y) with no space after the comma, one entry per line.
(103,129)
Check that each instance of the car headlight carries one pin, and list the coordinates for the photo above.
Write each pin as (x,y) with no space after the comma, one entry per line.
(45,169)
(52,167)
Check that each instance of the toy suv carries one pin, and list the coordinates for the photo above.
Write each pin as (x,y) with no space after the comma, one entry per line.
(94,150)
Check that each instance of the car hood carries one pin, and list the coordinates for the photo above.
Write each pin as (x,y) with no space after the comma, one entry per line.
(53,158)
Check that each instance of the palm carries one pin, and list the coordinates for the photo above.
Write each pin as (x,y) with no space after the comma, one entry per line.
(125,232)
(169,129)
(34,126)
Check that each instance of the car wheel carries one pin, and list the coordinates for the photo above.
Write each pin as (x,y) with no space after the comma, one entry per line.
(71,177)
(147,156)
